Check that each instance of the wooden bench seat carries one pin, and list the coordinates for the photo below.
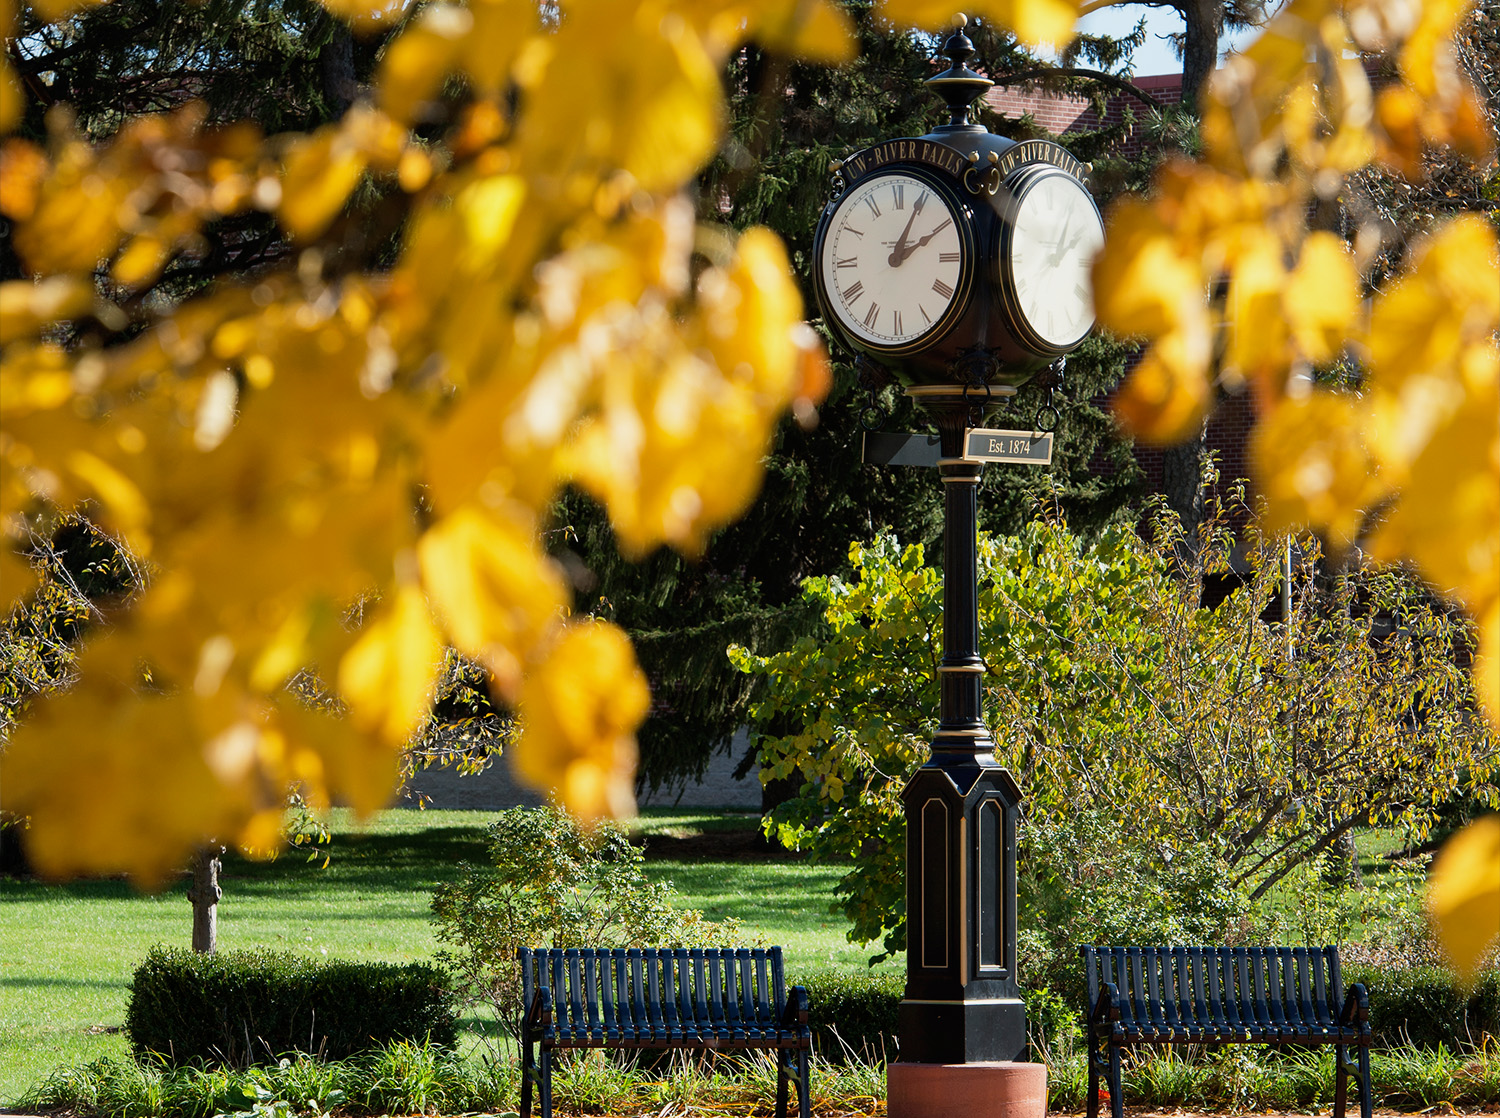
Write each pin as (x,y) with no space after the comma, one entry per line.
(1223,995)
(661,998)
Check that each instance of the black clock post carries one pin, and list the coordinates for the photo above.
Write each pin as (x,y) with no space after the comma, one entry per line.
(958,262)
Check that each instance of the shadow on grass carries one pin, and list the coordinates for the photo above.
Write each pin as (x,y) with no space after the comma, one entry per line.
(22,982)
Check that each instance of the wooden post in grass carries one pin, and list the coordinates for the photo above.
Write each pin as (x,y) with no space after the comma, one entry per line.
(204,894)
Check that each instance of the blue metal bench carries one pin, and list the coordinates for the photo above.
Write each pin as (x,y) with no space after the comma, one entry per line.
(660,998)
(1216,995)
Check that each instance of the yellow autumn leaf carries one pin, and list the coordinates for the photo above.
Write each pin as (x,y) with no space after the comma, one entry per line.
(502,30)
(23,167)
(141,261)
(1034,21)
(1255,317)
(643,92)
(749,312)
(1451,296)
(1322,297)
(368,16)
(1167,394)
(319,172)
(813,30)
(12,97)
(336,763)
(26,307)
(1463,894)
(1143,282)
(79,215)
(579,712)
(1311,464)
(387,676)
(1448,517)
(93,776)
(414,64)
(491,586)
(128,511)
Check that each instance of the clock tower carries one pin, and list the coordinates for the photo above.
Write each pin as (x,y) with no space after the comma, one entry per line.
(960,262)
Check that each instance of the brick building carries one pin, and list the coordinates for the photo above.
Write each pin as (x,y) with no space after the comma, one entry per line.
(1060,113)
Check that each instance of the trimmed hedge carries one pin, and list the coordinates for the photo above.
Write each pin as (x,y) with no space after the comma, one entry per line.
(861,1007)
(1425,1006)
(245,1007)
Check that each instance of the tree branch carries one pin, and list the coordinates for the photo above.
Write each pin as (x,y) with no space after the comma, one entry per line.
(1099,76)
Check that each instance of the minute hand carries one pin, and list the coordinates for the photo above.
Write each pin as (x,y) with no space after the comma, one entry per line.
(911,248)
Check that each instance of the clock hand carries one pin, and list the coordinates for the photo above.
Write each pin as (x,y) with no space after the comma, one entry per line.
(901,252)
(913,247)
(1054,258)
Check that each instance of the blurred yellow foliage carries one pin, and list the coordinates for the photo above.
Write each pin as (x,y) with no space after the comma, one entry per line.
(345,467)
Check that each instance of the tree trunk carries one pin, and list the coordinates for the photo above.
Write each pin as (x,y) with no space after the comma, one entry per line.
(1182,485)
(204,893)
(336,61)
(1204,23)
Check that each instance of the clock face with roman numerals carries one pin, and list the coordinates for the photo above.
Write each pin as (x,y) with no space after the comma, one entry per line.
(895,260)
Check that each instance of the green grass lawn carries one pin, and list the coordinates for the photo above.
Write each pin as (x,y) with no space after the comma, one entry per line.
(67,951)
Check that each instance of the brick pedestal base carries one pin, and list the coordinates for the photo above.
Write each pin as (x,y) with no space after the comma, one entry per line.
(992,1090)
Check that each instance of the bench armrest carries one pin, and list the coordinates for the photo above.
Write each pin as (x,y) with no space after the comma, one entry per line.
(795,1013)
(1356,1008)
(1107,1008)
(538,1018)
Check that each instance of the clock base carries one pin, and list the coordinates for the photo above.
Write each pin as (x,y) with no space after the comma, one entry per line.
(988,1090)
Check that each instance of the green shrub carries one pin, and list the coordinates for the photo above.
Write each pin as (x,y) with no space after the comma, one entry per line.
(1425,1006)
(552,883)
(853,1014)
(245,1007)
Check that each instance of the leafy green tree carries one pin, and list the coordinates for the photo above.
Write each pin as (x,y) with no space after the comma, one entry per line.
(1111,692)
(553,883)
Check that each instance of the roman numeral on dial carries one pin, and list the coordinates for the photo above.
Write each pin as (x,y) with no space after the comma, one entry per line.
(871,314)
(942,288)
(854,291)
(948,257)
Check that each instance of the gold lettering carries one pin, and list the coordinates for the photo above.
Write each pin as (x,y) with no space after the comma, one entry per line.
(996,447)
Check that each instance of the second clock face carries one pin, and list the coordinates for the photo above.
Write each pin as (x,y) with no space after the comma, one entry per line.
(1055,234)
(895,260)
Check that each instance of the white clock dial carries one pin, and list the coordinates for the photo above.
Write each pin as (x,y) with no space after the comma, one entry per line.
(1055,234)
(895,260)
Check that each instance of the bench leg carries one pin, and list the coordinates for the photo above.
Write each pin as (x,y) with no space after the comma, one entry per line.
(1366,1100)
(804,1085)
(544,1086)
(1116,1084)
(1094,1056)
(781,1077)
(528,1073)
(1340,1080)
